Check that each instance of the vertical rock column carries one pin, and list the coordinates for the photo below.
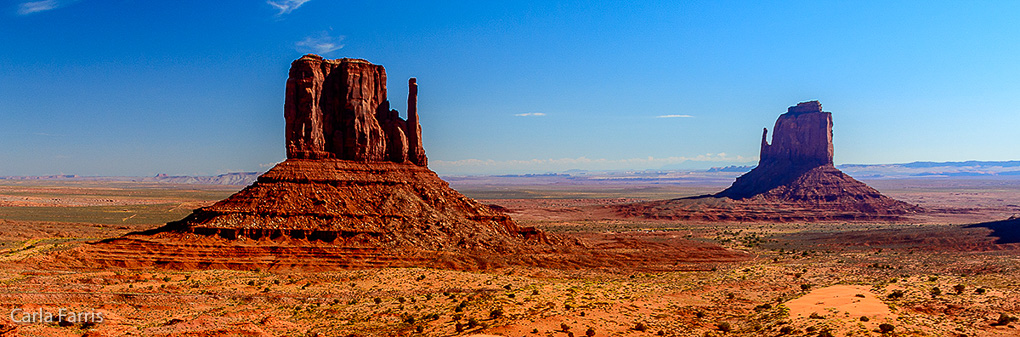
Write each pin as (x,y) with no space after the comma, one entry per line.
(416,153)
(305,138)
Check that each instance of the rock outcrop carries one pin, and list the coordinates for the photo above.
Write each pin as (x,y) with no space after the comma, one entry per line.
(338,109)
(797,167)
(795,180)
(355,174)
(356,192)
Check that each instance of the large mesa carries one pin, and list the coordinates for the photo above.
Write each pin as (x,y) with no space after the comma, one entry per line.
(355,191)
(356,173)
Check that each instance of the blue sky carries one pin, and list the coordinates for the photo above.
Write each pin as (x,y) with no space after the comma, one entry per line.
(127,87)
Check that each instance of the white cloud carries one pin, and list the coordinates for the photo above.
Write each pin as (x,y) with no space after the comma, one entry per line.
(675,116)
(530,114)
(321,43)
(286,6)
(26,8)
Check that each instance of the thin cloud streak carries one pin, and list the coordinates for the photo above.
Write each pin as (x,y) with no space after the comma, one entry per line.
(675,116)
(530,114)
(27,8)
(320,44)
(286,6)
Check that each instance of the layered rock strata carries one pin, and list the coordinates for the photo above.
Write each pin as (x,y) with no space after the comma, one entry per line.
(346,202)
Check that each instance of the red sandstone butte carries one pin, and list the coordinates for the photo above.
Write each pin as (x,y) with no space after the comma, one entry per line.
(795,180)
(797,167)
(356,192)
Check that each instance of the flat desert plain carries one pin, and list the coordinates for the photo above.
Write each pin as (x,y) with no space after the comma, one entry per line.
(925,275)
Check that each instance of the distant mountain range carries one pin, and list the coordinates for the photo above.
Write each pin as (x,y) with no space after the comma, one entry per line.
(236,178)
(920,169)
(923,169)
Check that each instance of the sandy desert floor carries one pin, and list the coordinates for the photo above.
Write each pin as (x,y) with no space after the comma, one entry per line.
(926,276)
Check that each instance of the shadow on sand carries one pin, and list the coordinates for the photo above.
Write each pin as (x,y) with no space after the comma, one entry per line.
(1008,231)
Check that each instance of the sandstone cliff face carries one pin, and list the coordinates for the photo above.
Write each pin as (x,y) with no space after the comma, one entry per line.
(339,109)
(802,136)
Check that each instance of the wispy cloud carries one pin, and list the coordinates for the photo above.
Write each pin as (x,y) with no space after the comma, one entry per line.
(320,43)
(675,116)
(30,7)
(530,114)
(286,6)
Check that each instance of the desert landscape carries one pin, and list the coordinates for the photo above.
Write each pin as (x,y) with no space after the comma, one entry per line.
(794,278)
(353,235)
(556,168)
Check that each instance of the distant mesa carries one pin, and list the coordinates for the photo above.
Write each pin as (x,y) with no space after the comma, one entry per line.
(794,172)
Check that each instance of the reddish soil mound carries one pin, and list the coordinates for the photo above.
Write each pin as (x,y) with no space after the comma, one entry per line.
(823,187)
(794,181)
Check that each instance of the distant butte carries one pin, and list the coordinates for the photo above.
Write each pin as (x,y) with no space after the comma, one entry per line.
(797,167)
(796,174)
